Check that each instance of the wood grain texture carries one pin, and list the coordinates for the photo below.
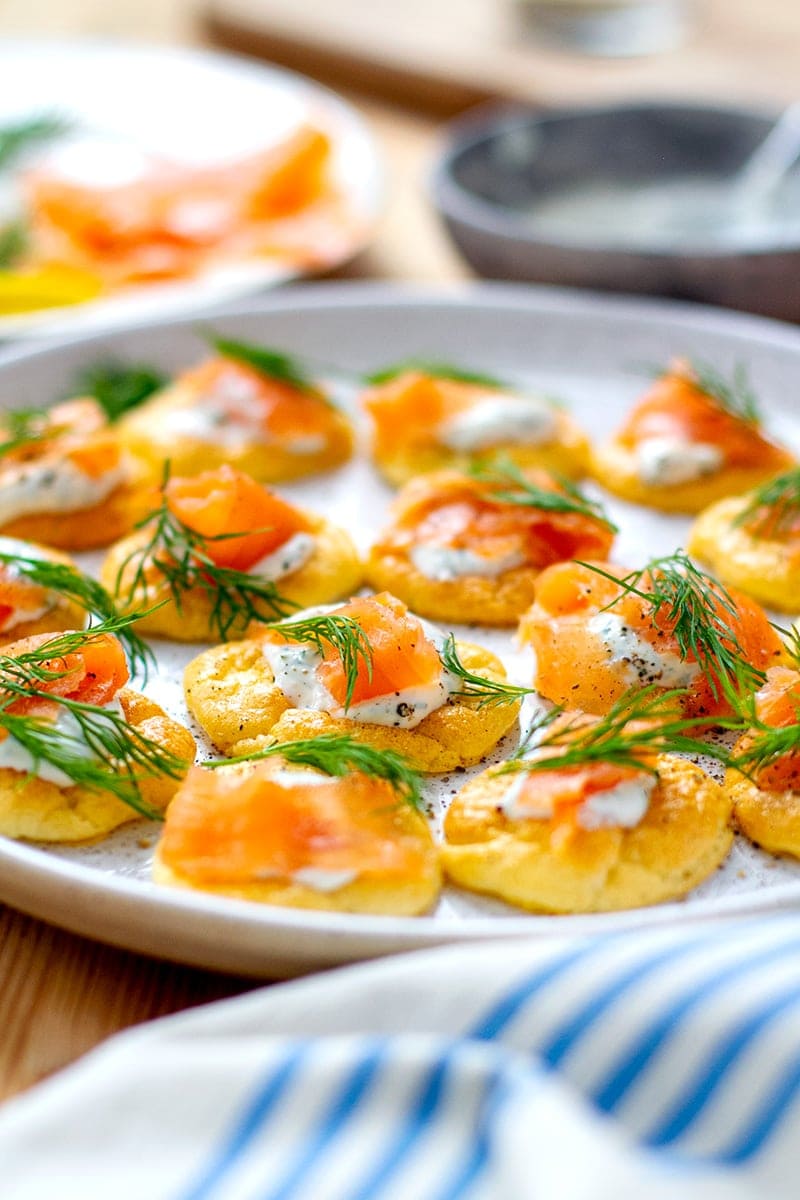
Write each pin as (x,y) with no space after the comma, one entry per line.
(449,54)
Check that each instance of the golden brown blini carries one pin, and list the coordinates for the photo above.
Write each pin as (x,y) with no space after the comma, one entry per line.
(278,834)
(226,412)
(424,422)
(403,703)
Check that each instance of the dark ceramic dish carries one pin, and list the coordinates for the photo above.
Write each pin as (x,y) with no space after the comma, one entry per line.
(498,165)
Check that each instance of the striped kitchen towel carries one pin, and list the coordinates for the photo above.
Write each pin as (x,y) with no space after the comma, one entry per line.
(663,1064)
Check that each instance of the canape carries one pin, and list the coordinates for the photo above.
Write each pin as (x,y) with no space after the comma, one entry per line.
(691,440)
(80,752)
(765,788)
(369,669)
(569,828)
(597,629)
(246,407)
(65,479)
(753,541)
(427,419)
(221,553)
(28,607)
(468,546)
(292,835)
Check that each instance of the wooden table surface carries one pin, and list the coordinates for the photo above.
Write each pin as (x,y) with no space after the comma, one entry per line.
(60,995)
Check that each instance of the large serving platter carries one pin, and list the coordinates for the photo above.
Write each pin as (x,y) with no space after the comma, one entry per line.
(587,349)
(196,108)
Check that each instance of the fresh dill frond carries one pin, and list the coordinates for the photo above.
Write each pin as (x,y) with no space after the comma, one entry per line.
(13,243)
(698,612)
(176,555)
(560,739)
(488,692)
(735,394)
(438,370)
(337,755)
(119,755)
(342,634)
(23,427)
(506,483)
(73,584)
(19,136)
(774,508)
(117,387)
(768,745)
(272,363)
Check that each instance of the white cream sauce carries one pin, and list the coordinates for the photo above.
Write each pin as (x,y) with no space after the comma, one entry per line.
(669,462)
(640,659)
(16,757)
(620,807)
(445,564)
(495,419)
(320,880)
(288,558)
(53,487)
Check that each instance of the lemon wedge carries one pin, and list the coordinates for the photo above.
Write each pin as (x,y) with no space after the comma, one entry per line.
(45,287)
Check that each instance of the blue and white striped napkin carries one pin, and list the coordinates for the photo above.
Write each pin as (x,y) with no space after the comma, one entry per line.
(569,1069)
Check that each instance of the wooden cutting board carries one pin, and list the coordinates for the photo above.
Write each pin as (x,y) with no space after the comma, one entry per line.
(445,55)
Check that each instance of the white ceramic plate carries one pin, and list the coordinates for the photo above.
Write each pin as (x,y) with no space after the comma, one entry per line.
(586,349)
(194,107)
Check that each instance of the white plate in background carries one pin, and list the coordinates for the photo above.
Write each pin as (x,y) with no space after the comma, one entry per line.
(194,107)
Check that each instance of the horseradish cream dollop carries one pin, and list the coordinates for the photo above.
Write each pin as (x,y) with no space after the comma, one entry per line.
(495,419)
(619,807)
(669,462)
(445,564)
(53,487)
(640,659)
(16,757)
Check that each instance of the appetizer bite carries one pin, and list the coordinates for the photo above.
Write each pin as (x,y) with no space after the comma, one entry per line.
(221,553)
(753,541)
(80,752)
(597,629)
(429,416)
(692,439)
(369,669)
(763,782)
(65,479)
(32,596)
(467,546)
(327,823)
(591,815)
(249,407)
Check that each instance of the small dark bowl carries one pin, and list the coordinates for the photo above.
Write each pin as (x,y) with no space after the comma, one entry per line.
(498,165)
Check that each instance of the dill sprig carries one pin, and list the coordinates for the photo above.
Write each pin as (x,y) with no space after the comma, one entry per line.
(488,692)
(101,751)
(342,634)
(780,497)
(508,484)
(18,136)
(438,370)
(117,387)
(337,755)
(179,556)
(272,363)
(573,740)
(735,395)
(697,610)
(13,243)
(71,583)
(23,427)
